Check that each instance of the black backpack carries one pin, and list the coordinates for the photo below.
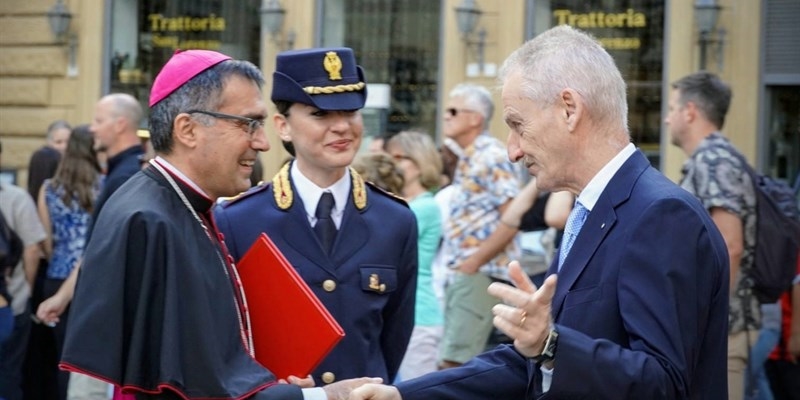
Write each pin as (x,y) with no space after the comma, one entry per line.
(777,237)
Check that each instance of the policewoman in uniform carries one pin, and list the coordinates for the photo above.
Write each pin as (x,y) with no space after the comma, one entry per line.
(354,244)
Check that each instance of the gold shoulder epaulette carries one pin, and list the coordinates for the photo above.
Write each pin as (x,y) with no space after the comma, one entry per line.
(359,192)
(283,188)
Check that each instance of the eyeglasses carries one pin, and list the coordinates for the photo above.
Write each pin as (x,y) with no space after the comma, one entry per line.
(454,111)
(252,125)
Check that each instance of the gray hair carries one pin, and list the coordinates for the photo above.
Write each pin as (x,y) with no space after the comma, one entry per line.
(202,92)
(475,97)
(564,57)
(56,125)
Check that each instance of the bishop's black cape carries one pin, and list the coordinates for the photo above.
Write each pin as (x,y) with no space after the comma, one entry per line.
(154,310)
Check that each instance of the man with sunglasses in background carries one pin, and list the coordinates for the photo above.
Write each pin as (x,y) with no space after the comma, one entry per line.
(485,182)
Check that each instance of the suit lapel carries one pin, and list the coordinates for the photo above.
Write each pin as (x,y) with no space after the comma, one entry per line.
(601,220)
(594,230)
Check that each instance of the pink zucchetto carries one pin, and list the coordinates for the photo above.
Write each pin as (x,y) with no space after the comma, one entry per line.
(181,67)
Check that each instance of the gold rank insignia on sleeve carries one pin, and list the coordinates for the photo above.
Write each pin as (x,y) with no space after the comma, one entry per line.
(333,65)
(282,188)
(359,191)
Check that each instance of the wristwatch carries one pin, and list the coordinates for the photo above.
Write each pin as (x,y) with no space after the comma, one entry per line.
(549,351)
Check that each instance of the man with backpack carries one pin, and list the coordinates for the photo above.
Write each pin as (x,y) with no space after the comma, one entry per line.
(718,176)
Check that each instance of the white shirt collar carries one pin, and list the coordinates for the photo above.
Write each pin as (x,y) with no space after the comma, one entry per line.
(310,193)
(164,163)
(594,189)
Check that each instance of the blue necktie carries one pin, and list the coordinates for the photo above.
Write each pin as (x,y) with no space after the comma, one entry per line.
(325,227)
(574,223)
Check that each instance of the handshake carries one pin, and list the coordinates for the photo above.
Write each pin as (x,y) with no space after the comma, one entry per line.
(361,389)
(352,389)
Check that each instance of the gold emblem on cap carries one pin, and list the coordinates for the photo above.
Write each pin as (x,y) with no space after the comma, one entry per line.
(282,188)
(333,65)
(359,192)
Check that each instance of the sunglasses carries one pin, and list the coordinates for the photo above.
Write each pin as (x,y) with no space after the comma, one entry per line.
(454,111)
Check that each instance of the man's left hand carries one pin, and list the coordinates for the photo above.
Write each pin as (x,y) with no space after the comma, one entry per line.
(528,323)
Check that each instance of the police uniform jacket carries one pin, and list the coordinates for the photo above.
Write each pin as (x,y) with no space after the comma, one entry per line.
(368,282)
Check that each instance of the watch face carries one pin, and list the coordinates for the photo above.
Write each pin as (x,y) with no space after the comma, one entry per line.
(550,345)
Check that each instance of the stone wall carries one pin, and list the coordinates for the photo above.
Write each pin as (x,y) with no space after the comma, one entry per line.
(34,87)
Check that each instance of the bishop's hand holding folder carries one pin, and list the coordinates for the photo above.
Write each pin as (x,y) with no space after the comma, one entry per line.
(292,329)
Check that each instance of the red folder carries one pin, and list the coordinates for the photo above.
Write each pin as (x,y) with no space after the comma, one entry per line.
(292,330)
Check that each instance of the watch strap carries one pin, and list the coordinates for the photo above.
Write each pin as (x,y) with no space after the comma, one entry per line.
(549,350)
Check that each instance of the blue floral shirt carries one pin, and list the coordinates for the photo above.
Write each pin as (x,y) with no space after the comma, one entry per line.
(70,226)
(485,179)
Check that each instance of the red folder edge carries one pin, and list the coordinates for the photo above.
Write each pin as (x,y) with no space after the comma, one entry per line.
(292,329)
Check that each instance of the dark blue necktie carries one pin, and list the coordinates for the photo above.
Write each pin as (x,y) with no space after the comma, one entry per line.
(325,227)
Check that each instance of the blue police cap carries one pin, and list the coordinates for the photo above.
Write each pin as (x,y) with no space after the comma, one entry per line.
(326,78)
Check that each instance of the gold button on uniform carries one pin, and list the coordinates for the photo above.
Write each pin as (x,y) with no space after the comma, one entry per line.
(329,285)
(328,377)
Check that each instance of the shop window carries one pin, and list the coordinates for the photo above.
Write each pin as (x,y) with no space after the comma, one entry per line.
(632,31)
(397,43)
(145,33)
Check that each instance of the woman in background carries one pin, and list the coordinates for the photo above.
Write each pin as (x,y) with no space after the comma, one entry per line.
(417,156)
(380,170)
(65,207)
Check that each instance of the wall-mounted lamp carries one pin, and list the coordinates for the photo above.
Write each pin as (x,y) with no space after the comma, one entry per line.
(272,16)
(706,13)
(59,18)
(467,16)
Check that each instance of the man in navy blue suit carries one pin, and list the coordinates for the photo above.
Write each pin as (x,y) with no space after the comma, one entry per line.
(639,308)
(355,245)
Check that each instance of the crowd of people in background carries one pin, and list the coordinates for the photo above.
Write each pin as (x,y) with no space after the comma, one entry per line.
(409,244)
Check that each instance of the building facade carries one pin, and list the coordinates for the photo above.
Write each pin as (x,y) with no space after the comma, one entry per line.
(414,52)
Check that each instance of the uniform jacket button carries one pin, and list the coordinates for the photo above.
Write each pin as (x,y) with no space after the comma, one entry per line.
(329,285)
(328,377)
